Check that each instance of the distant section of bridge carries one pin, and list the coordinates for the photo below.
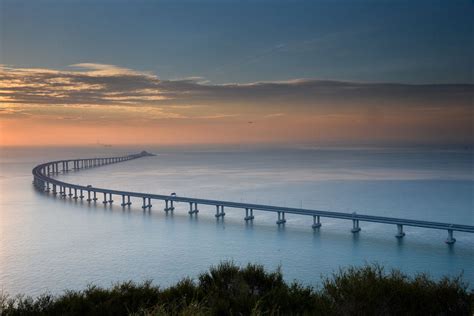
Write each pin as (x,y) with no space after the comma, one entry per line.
(44,182)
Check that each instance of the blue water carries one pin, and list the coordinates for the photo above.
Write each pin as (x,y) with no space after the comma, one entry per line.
(50,244)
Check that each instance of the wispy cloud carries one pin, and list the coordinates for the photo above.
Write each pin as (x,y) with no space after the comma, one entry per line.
(90,83)
(274,115)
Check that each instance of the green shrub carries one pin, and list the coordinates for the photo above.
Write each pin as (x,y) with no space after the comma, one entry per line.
(227,289)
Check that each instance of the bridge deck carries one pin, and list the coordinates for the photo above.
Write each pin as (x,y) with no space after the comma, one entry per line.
(43,181)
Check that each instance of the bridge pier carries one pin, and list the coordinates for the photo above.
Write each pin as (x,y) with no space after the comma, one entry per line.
(105,199)
(400,232)
(220,211)
(110,198)
(47,187)
(82,194)
(145,205)
(450,240)
(70,192)
(95,197)
(128,203)
(281,218)
(75,194)
(63,193)
(89,196)
(316,221)
(193,210)
(355,226)
(248,214)
(54,189)
(171,207)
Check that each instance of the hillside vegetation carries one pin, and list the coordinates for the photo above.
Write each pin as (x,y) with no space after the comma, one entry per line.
(227,289)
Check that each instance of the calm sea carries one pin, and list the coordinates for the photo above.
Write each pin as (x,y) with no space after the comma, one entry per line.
(52,244)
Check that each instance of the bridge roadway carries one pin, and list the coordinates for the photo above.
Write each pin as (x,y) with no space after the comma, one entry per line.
(43,181)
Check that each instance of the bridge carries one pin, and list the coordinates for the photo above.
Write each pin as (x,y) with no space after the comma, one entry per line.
(43,181)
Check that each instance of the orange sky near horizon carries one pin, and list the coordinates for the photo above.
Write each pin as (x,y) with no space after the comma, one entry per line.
(323,129)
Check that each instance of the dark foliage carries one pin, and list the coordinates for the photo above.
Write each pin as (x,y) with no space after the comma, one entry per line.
(231,290)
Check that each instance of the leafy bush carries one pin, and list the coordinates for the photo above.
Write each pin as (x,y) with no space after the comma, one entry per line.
(227,289)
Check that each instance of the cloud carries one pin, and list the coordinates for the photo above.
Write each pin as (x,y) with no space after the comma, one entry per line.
(83,86)
(271,115)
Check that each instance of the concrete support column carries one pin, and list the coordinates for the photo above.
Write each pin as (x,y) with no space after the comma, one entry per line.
(166,206)
(75,194)
(105,199)
(171,205)
(47,187)
(70,192)
(355,226)
(400,232)
(89,196)
(281,218)
(95,197)
(248,214)
(82,194)
(316,221)
(54,189)
(123,201)
(146,203)
(110,198)
(220,211)
(450,240)
(193,210)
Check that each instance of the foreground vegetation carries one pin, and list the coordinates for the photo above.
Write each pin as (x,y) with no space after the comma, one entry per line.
(231,290)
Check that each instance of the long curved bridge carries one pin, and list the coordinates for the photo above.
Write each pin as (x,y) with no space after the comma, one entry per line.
(43,181)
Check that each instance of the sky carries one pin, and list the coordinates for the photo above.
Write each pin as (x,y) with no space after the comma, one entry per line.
(190,72)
